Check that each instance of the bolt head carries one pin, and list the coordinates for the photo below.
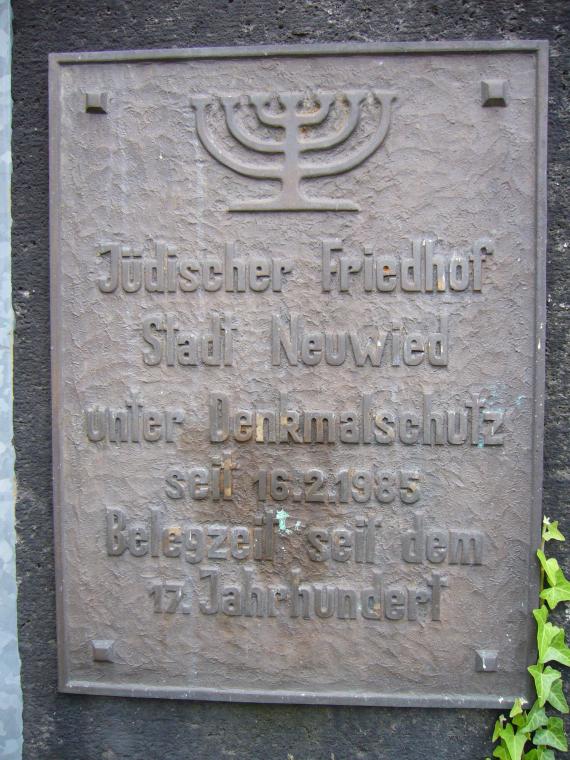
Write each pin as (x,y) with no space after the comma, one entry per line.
(102,650)
(96,102)
(494,93)
(486,660)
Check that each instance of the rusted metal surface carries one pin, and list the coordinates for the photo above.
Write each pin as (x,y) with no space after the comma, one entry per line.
(298,333)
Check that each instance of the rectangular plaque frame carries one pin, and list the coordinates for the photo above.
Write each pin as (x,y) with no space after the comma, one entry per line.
(68,682)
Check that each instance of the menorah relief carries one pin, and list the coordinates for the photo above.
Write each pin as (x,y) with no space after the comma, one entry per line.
(296,125)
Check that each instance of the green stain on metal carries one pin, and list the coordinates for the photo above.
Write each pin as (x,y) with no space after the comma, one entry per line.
(281,517)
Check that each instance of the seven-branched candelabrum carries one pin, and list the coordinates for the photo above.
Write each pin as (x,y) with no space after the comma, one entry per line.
(291,121)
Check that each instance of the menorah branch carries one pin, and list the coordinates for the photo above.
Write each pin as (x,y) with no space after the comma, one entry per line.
(336,138)
(199,104)
(339,167)
(308,119)
(263,114)
(237,131)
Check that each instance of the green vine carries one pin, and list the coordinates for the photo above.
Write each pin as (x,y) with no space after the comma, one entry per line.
(533,734)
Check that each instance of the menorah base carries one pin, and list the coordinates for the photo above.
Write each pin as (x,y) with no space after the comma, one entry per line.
(300,203)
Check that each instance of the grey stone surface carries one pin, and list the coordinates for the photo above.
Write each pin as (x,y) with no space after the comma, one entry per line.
(10,691)
(68,727)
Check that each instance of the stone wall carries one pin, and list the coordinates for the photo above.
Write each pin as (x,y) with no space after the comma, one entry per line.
(66,727)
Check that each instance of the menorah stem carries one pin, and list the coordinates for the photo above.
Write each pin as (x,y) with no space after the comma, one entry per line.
(290,185)
(291,198)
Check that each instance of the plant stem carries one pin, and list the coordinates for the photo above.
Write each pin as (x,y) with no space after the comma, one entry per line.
(542,602)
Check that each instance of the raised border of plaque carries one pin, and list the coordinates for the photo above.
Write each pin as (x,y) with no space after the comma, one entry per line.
(492,94)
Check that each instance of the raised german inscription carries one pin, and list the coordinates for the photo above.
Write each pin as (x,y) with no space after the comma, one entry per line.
(298,338)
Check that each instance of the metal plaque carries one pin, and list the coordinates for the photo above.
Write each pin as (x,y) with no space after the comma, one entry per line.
(298,347)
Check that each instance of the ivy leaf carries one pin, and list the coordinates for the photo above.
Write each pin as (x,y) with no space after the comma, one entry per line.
(514,742)
(550,531)
(552,735)
(558,650)
(543,680)
(501,753)
(557,698)
(517,708)
(540,753)
(540,615)
(498,727)
(546,733)
(550,566)
(546,632)
(561,579)
(536,719)
(550,640)
(558,592)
